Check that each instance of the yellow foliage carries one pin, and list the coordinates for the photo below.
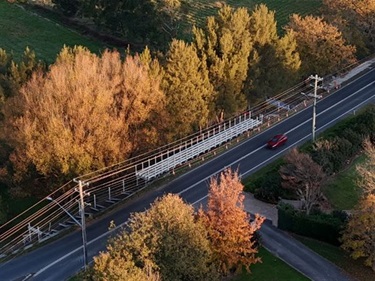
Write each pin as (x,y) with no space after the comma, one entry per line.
(85,113)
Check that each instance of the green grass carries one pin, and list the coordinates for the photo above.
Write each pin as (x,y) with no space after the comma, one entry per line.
(271,269)
(339,257)
(284,8)
(20,28)
(342,191)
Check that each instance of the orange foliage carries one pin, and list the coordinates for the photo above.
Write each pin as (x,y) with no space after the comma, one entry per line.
(87,112)
(230,230)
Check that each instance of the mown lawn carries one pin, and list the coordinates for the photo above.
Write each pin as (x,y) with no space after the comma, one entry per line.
(342,191)
(339,257)
(271,269)
(20,28)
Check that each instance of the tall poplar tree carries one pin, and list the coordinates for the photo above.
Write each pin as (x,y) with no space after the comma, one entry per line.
(224,45)
(274,62)
(188,90)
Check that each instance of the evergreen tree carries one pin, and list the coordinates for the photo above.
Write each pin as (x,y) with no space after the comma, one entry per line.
(187,88)
(274,61)
(224,45)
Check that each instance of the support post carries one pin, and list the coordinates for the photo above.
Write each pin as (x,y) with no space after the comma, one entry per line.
(317,79)
(83,223)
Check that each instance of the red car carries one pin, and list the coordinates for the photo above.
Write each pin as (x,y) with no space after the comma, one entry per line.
(277,141)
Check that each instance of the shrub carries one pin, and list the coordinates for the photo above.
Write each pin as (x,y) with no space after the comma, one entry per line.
(269,188)
(324,227)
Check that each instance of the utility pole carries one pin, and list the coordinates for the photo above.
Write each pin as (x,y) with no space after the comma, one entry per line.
(83,223)
(83,219)
(317,79)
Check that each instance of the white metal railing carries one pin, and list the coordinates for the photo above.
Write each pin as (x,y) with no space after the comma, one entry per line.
(202,146)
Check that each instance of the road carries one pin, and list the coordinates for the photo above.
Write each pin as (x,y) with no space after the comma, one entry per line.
(62,258)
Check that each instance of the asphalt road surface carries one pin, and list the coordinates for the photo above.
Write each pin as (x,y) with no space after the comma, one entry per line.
(62,258)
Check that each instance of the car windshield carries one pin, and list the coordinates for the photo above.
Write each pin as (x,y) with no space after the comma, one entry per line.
(275,139)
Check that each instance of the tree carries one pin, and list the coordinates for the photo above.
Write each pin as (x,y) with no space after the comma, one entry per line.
(14,75)
(153,22)
(188,90)
(165,238)
(304,176)
(87,112)
(321,45)
(359,235)
(356,19)
(274,62)
(230,231)
(224,45)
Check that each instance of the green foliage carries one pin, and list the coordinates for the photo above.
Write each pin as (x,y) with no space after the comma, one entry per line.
(318,225)
(274,61)
(67,7)
(342,192)
(148,22)
(343,141)
(188,90)
(224,45)
(269,188)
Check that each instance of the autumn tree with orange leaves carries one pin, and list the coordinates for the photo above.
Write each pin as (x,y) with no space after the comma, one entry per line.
(321,45)
(230,231)
(85,113)
(355,19)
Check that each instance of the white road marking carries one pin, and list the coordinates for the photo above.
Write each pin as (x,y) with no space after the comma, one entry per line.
(256,150)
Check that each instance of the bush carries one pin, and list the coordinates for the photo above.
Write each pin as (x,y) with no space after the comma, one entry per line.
(324,227)
(269,188)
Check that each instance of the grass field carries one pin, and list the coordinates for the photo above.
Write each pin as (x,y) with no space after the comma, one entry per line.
(271,269)
(336,255)
(200,9)
(20,28)
(342,191)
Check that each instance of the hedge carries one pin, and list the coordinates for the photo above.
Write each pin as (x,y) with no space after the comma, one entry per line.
(320,226)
